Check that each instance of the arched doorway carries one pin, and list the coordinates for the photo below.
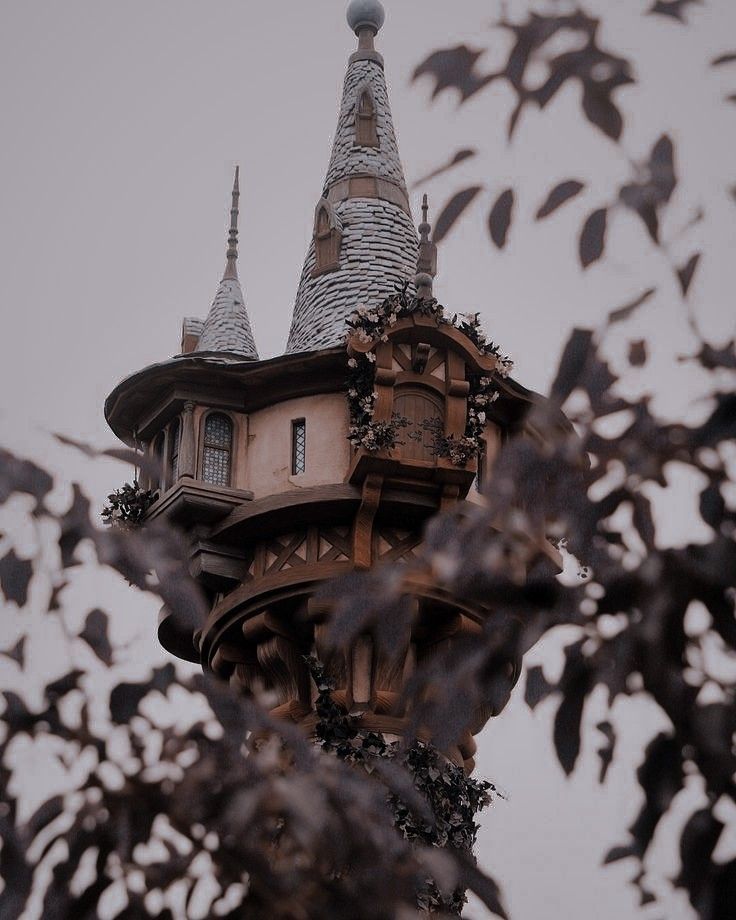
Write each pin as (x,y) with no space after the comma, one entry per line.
(425,413)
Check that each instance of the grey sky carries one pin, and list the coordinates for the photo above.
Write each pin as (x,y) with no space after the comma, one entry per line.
(121,126)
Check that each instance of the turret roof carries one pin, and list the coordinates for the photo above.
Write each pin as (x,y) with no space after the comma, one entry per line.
(366,190)
(227,327)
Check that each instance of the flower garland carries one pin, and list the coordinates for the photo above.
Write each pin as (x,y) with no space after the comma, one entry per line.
(369,325)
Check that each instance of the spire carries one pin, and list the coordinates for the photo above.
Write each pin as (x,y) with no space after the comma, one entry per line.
(231,268)
(427,261)
(364,239)
(227,327)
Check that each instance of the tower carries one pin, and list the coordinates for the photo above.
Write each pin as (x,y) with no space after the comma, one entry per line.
(330,458)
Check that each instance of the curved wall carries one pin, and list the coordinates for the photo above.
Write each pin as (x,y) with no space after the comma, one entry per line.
(268,452)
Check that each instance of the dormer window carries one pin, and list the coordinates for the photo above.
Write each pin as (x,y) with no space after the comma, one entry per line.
(327,238)
(366,134)
(217,449)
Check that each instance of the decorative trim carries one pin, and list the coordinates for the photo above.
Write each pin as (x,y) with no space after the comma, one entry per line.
(367,185)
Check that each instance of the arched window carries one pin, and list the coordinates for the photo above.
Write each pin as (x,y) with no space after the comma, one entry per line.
(424,411)
(217,449)
(174,438)
(327,238)
(366,134)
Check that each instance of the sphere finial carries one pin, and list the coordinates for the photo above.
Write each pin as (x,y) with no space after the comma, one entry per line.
(365,14)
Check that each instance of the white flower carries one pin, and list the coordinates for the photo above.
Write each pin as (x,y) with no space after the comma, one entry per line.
(371,357)
(352,362)
(482,418)
(373,317)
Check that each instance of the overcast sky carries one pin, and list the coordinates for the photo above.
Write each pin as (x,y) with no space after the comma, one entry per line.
(122,123)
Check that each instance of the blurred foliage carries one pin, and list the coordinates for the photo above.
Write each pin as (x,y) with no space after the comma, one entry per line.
(234,815)
(128,505)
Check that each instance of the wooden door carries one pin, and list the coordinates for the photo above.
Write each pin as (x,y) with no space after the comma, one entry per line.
(421,408)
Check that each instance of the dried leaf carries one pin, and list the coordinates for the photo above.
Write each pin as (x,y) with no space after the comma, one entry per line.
(15,577)
(126,697)
(606,752)
(686,272)
(638,353)
(452,211)
(675,9)
(572,364)
(625,312)
(728,58)
(95,635)
(538,687)
(601,110)
(593,237)
(499,220)
(559,195)
(17,652)
(453,68)
(575,684)
(459,157)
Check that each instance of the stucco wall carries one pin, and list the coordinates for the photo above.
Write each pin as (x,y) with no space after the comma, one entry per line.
(492,438)
(268,451)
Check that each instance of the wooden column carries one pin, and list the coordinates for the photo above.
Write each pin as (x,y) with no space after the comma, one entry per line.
(187,451)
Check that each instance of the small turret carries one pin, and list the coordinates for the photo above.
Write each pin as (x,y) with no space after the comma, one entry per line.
(227,327)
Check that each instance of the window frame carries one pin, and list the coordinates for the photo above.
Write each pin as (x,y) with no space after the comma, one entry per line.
(366,123)
(297,423)
(203,446)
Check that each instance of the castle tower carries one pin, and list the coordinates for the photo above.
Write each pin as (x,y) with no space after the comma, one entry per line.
(330,458)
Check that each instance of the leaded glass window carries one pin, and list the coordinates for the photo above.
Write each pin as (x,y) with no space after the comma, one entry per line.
(298,446)
(174,437)
(216,454)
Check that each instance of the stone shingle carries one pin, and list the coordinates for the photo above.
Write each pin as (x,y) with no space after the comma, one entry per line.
(227,327)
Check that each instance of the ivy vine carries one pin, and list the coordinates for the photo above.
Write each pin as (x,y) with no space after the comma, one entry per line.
(454,798)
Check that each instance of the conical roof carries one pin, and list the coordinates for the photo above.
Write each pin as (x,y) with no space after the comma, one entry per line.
(227,327)
(365,193)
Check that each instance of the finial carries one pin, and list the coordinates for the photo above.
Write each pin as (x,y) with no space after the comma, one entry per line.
(424,227)
(365,18)
(231,268)
(427,259)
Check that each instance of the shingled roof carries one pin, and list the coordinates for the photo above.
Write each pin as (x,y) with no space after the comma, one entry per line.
(366,190)
(227,327)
